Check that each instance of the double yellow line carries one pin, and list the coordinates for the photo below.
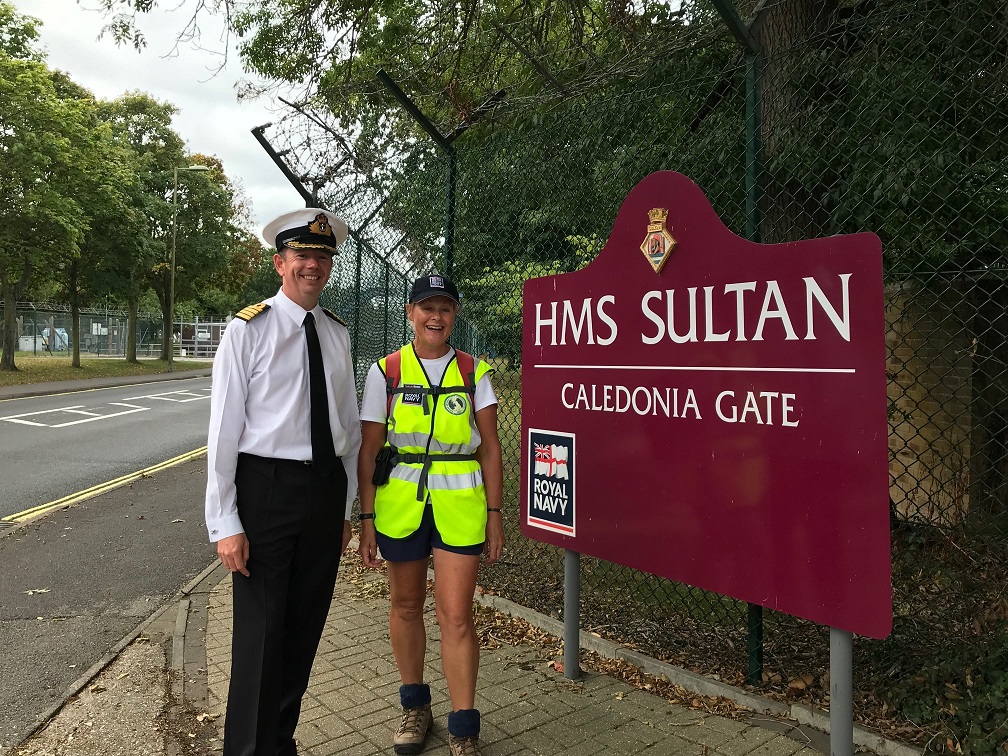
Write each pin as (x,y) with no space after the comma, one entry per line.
(66,501)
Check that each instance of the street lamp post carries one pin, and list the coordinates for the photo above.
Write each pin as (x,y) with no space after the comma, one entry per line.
(171,289)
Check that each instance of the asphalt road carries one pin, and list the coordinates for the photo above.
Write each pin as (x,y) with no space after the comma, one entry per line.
(78,580)
(54,446)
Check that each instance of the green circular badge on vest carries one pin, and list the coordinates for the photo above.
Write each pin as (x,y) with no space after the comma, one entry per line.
(455,404)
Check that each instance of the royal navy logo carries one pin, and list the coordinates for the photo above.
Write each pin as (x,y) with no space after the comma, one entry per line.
(551,503)
(658,244)
(413,394)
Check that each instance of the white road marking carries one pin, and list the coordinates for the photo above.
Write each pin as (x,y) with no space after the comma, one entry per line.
(183,396)
(133,409)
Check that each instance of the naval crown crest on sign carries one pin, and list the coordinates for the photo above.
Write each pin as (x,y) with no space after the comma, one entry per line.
(658,244)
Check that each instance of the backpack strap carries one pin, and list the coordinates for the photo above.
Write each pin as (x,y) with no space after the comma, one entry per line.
(393,373)
(467,366)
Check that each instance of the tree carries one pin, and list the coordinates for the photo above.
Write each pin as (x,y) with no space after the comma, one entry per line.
(102,182)
(19,34)
(204,235)
(142,125)
(40,219)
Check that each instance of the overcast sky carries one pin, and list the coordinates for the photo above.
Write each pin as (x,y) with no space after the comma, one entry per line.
(210,119)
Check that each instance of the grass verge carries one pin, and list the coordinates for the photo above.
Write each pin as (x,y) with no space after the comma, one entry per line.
(44,368)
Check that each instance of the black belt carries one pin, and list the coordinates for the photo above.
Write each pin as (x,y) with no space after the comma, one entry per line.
(297,463)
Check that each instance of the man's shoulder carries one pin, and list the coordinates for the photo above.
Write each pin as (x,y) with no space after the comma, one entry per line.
(252,311)
(333,316)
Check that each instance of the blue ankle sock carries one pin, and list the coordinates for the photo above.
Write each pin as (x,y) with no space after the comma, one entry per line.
(414,695)
(464,723)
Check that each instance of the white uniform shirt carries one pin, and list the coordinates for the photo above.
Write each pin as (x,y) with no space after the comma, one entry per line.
(259,402)
(374,405)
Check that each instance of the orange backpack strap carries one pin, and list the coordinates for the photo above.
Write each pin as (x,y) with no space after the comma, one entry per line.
(393,374)
(467,366)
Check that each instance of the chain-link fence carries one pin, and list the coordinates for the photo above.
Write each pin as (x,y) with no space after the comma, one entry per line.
(47,329)
(882,115)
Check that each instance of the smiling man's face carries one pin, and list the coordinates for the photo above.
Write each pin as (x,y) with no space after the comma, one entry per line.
(305,272)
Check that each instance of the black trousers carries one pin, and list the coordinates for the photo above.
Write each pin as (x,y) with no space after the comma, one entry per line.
(293,518)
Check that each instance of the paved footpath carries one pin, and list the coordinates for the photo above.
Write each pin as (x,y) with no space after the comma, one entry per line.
(528,708)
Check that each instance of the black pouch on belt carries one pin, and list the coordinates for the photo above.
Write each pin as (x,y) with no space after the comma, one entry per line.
(385,460)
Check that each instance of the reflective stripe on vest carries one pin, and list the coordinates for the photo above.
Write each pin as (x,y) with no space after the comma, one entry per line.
(455,488)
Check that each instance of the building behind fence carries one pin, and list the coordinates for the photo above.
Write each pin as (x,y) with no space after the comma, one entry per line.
(46,328)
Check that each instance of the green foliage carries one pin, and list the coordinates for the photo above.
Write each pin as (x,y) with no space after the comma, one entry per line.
(264,281)
(968,698)
(41,159)
(18,34)
(919,166)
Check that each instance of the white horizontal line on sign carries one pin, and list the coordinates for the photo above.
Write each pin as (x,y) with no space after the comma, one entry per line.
(701,368)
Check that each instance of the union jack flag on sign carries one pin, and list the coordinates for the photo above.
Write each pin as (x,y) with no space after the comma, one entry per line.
(551,460)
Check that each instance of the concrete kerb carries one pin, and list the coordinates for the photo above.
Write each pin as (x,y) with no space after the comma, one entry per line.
(84,680)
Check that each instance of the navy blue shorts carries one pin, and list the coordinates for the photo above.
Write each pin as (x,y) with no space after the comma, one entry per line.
(418,544)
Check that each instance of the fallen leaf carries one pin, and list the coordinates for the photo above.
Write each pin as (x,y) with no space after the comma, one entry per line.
(800,683)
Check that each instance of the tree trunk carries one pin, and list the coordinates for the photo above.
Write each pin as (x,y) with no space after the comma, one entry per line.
(132,306)
(166,319)
(74,313)
(11,293)
(789,210)
(989,439)
(10,324)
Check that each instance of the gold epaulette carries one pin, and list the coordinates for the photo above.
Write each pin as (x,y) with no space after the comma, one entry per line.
(335,317)
(251,311)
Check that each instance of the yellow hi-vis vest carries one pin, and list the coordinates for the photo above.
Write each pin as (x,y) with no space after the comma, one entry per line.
(432,430)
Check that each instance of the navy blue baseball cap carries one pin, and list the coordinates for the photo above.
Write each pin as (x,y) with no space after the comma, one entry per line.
(434,285)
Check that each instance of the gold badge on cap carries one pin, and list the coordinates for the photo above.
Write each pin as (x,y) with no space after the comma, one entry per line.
(658,244)
(321,225)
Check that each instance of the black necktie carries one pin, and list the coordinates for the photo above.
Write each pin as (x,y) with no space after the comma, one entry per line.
(323,451)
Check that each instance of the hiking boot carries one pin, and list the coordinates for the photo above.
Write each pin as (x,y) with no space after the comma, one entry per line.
(463,746)
(409,738)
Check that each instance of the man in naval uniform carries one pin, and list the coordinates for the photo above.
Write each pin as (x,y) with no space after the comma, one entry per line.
(282,463)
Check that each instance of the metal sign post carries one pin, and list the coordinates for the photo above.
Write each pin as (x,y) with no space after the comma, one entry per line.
(572,615)
(841,685)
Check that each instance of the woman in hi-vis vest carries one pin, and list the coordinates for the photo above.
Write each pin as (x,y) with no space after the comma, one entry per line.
(431,481)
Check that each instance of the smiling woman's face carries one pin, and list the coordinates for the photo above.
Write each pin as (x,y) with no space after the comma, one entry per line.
(432,320)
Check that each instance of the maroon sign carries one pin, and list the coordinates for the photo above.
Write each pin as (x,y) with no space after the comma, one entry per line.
(713,410)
